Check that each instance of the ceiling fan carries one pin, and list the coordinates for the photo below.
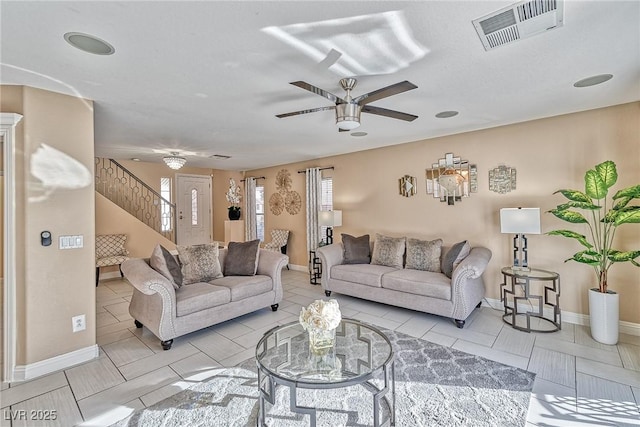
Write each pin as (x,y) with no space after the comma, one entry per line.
(348,109)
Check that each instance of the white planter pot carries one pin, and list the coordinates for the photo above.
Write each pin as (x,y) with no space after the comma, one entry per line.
(604,316)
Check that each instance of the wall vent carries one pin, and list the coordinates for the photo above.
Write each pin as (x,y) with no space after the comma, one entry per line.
(220,156)
(519,21)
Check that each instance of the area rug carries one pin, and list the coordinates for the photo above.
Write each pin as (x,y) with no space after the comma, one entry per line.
(435,386)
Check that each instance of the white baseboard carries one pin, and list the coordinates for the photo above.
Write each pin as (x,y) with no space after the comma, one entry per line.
(568,316)
(63,361)
(294,267)
(110,275)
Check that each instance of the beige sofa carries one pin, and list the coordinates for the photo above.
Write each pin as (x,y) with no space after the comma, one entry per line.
(170,313)
(424,291)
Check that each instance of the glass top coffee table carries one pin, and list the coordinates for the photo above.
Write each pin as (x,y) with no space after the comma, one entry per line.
(362,355)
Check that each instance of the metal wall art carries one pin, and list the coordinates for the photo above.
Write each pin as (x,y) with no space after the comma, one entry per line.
(502,179)
(284,199)
(451,179)
(407,186)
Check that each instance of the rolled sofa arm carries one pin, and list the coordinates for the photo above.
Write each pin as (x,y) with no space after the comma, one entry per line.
(467,285)
(271,263)
(155,304)
(329,255)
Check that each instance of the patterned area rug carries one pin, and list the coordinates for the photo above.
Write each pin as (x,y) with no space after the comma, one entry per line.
(435,385)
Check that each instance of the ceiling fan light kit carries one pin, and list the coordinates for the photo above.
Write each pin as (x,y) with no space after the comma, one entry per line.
(348,109)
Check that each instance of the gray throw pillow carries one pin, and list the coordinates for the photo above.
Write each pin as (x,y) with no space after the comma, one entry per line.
(423,255)
(356,250)
(242,258)
(388,251)
(454,257)
(163,261)
(200,263)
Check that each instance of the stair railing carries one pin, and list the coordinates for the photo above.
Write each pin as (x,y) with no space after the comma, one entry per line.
(118,184)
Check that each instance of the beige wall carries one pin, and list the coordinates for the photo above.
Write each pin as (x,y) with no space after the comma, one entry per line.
(548,154)
(110,219)
(53,285)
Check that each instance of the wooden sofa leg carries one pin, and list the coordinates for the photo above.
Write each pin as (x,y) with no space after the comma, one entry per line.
(120,268)
(327,293)
(97,275)
(166,345)
(459,323)
(138,324)
(274,307)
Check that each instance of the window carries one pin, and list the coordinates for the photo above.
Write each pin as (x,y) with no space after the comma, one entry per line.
(194,206)
(326,201)
(260,213)
(166,224)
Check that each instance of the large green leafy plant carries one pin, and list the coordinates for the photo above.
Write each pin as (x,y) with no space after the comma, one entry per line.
(602,217)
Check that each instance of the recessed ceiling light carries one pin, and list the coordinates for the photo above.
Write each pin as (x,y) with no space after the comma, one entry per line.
(89,43)
(135,159)
(446,114)
(593,80)
(359,134)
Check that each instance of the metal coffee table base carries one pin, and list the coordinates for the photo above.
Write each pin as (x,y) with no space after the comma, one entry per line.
(268,394)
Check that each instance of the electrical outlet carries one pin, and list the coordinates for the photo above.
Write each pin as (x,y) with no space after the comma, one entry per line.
(78,323)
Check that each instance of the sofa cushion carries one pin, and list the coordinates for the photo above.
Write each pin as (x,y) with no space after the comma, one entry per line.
(163,261)
(356,250)
(423,255)
(418,282)
(388,251)
(242,258)
(242,287)
(454,257)
(200,263)
(363,274)
(200,296)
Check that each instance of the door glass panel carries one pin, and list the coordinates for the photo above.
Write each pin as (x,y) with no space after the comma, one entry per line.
(194,206)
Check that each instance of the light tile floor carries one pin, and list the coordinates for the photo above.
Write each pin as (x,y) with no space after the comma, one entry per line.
(579,381)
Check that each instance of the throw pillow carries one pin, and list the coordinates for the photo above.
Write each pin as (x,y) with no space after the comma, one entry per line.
(423,255)
(454,257)
(242,258)
(163,261)
(356,250)
(388,251)
(200,263)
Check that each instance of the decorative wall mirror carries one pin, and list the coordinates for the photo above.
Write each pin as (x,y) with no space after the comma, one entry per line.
(502,179)
(451,179)
(407,186)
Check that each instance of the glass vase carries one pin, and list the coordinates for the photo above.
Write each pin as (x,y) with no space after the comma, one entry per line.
(321,340)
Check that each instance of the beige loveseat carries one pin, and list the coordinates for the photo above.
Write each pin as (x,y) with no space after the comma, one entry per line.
(425,291)
(170,312)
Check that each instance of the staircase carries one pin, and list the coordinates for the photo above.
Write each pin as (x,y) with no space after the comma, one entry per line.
(130,193)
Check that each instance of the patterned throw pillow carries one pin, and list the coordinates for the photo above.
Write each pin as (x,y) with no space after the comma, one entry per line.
(423,255)
(200,263)
(163,261)
(356,250)
(388,251)
(454,257)
(242,258)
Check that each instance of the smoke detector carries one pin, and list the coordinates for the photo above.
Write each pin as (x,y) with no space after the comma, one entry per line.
(519,21)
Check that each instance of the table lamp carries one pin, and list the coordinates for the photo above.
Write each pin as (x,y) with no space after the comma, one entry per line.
(519,221)
(330,219)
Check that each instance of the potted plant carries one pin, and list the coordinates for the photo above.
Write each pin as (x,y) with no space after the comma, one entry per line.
(233,197)
(602,217)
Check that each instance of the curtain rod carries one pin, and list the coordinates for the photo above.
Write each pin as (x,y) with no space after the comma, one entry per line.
(260,177)
(328,167)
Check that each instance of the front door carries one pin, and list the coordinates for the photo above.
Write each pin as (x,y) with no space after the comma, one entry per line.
(194,209)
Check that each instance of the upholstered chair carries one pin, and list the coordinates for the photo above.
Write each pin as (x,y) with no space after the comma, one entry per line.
(110,250)
(278,243)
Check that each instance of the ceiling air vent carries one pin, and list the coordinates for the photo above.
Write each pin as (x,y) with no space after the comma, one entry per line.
(220,156)
(518,21)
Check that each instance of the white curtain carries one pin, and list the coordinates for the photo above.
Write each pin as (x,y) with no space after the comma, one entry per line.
(314,181)
(250,225)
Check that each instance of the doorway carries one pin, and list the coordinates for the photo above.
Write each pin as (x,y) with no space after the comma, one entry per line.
(193,205)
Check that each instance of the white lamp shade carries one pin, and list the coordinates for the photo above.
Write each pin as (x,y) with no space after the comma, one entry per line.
(520,220)
(330,218)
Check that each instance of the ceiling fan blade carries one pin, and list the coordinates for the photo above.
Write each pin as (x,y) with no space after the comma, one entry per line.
(388,113)
(297,113)
(311,88)
(385,92)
